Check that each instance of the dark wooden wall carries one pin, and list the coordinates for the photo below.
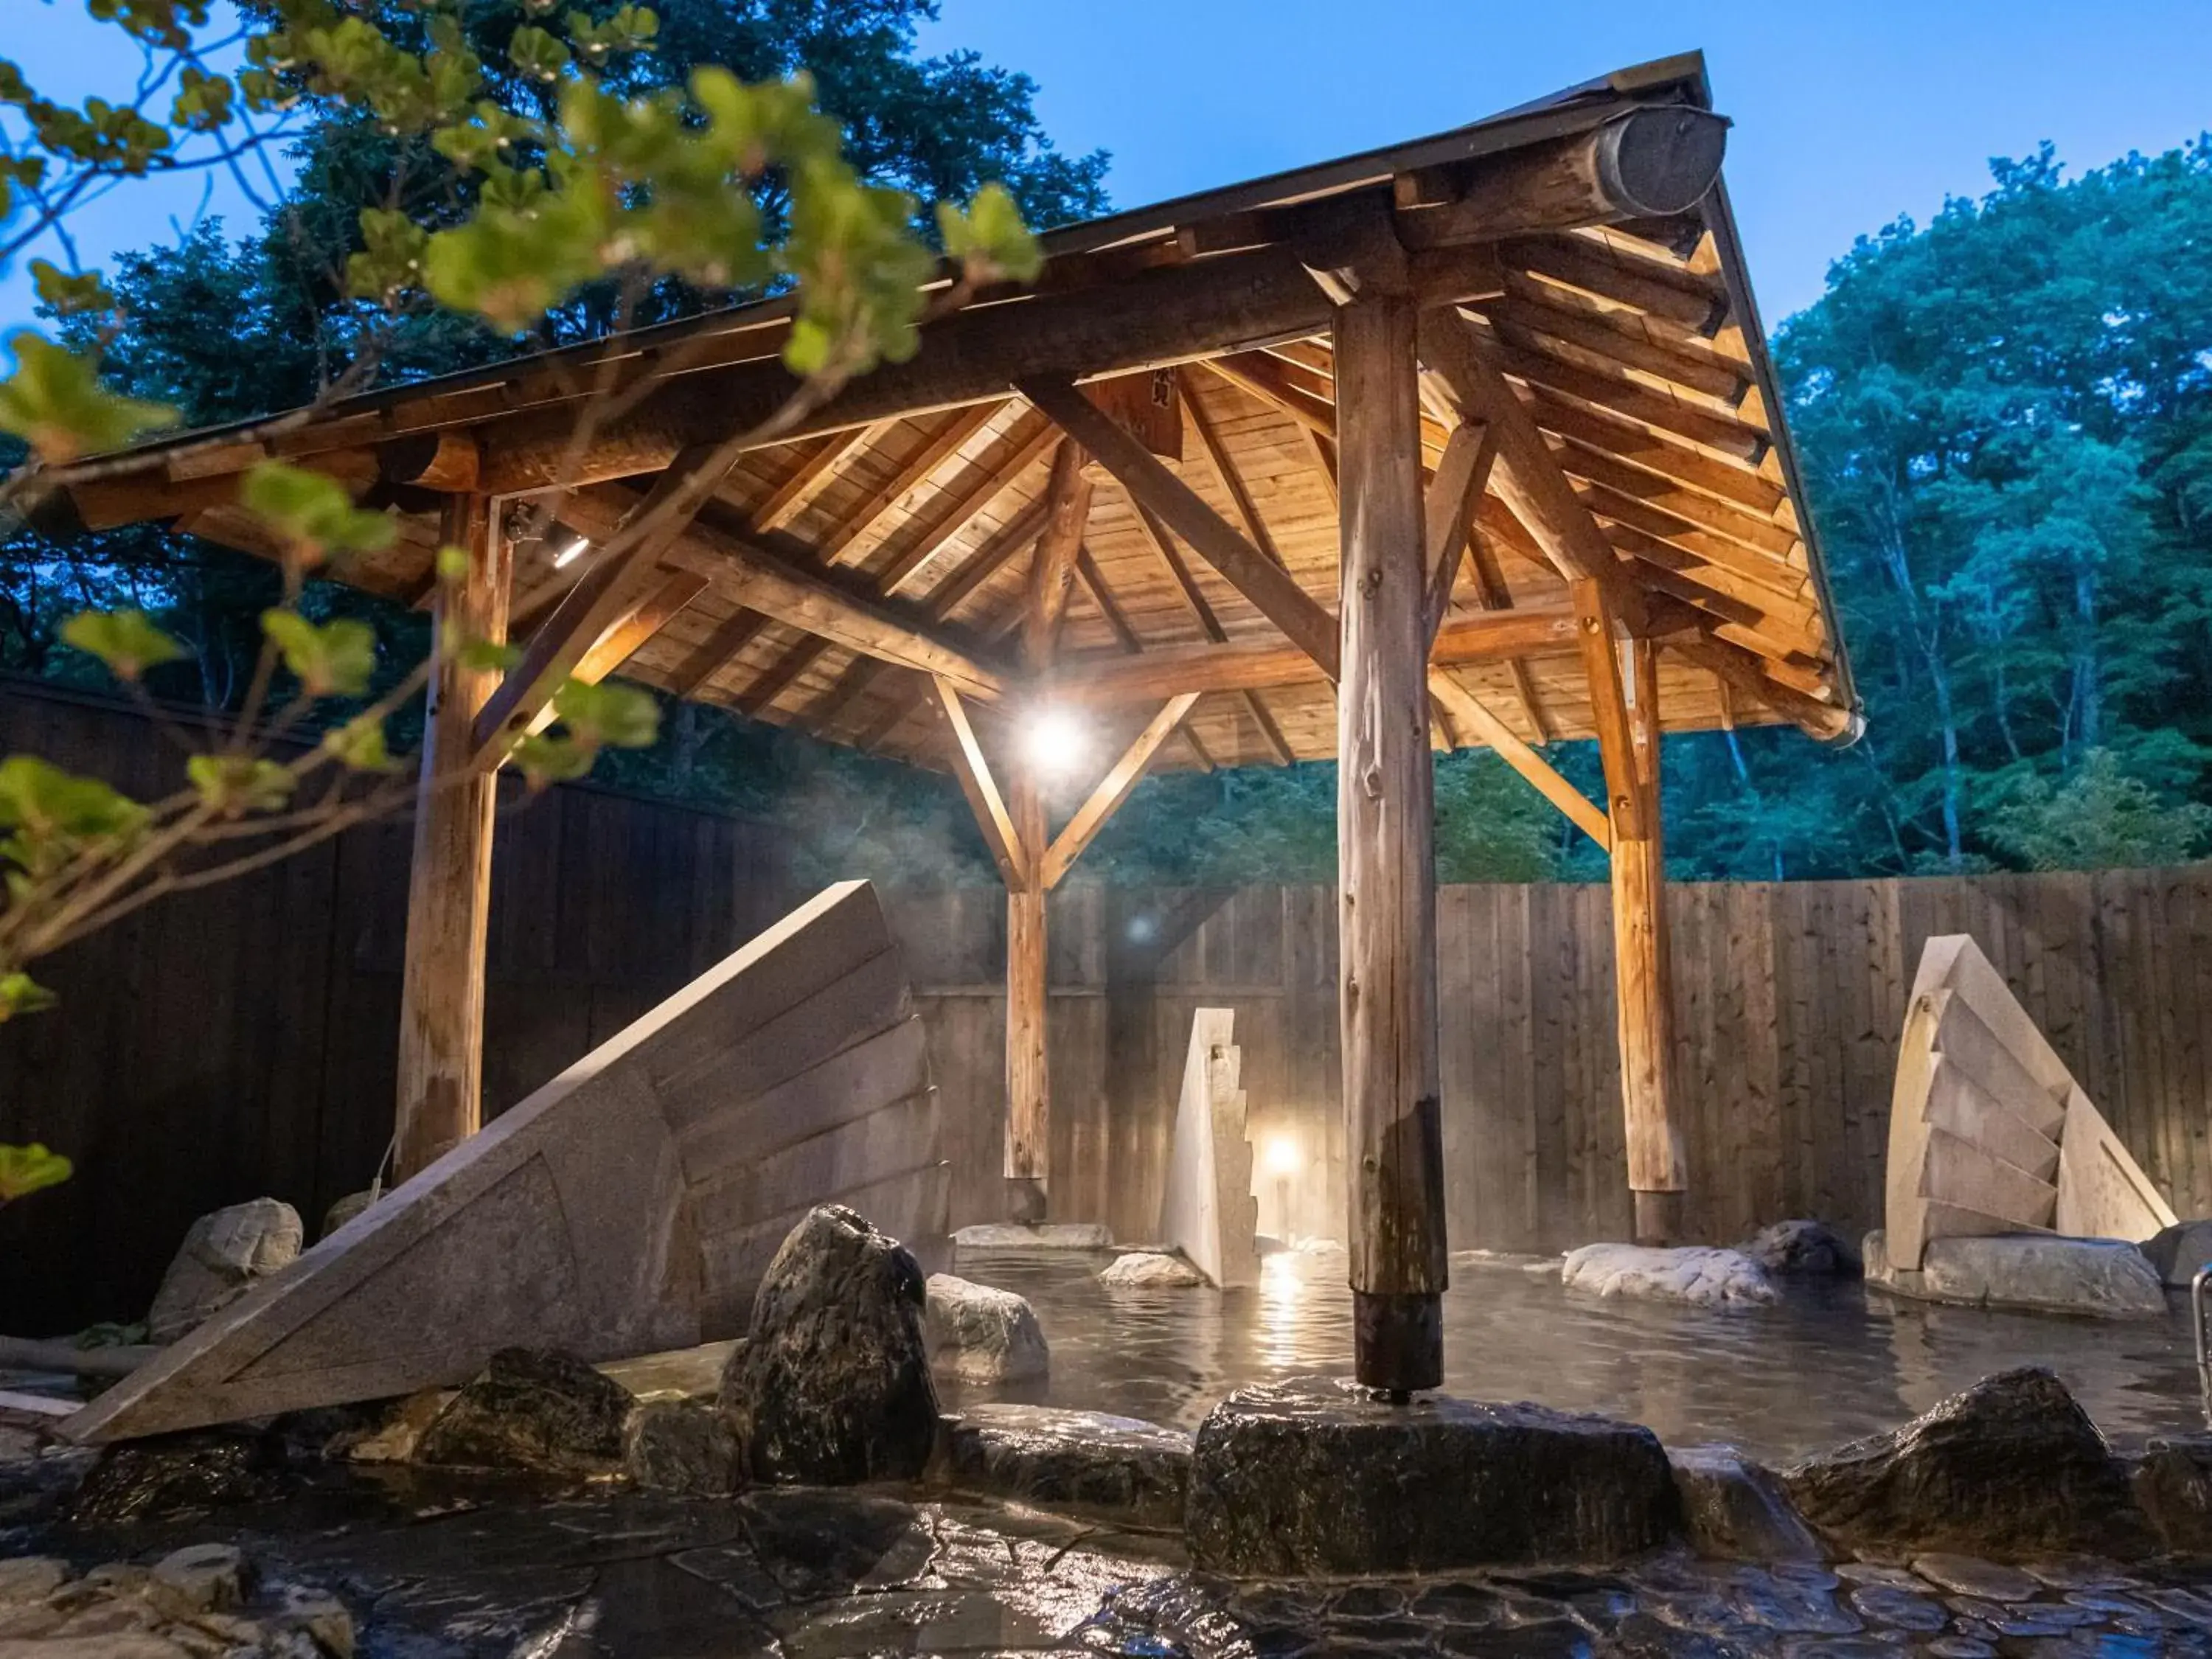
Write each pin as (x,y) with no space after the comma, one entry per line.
(240,1041)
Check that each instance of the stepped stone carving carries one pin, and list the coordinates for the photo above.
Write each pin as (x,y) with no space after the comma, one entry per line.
(1989,1132)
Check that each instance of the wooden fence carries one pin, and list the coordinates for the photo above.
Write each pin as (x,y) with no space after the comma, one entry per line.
(240,1041)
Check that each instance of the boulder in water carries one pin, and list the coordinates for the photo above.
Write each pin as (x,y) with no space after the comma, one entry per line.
(1035,1236)
(2178,1251)
(224,1252)
(1736,1509)
(1803,1249)
(983,1334)
(1150,1270)
(2034,1272)
(832,1385)
(2172,1482)
(530,1409)
(1697,1274)
(2010,1468)
(1319,1477)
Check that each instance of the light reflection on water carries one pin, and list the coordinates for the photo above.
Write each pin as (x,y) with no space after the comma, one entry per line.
(1827,1364)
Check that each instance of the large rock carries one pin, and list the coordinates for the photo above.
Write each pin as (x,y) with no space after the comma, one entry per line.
(1736,1509)
(2172,1482)
(832,1385)
(180,1474)
(1697,1274)
(2177,1253)
(1117,1467)
(530,1409)
(1143,1270)
(983,1334)
(223,1254)
(2010,1468)
(2036,1272)
(1315,1477)
(1803,1250)
(677,1445)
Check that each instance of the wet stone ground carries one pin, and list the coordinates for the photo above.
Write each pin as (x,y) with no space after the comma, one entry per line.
(442,1571)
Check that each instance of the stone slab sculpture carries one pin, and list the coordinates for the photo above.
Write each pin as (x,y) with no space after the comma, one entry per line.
(631,1204)
(1207,1210)
(1989,1132)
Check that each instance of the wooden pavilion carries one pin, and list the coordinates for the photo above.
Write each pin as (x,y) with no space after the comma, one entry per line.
(1471,441)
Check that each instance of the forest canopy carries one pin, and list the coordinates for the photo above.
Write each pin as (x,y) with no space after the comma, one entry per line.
(2004,418)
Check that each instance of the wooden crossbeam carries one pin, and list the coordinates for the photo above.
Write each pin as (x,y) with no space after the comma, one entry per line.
(799,599)
(1304,619)
(1527,476)
(1094,583)
(1745,675)
(1262,377)
(814,475)
(1113,789)
(1448,510)
(622,642)
(1600,635)
(974,770)
(1163,544)
(1251,665)
(761,694)
(1475,716)
(1052,566)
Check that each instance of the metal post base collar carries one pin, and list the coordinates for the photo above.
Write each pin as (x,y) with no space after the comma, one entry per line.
(1398,1341)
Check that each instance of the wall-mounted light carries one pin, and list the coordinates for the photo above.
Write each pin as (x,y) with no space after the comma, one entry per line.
(1284,1156)
(569,555)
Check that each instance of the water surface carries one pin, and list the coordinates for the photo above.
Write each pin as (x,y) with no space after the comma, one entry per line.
(1829,1362)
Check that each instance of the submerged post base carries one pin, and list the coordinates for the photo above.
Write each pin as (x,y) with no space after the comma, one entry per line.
(1398,1341)
(1658,1218)
(1025,1201)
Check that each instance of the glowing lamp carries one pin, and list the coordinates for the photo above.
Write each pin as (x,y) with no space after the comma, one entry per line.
(1284,1155)
(1054,740)
(569,555)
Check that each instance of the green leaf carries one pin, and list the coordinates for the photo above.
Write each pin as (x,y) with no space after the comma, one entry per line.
(487,656)
(990,239)
(311,513)
(25,1169)
(359,745)
(334,658)
(549,757)
(537,53)
(124,640)
(608,714)
(453,563)
(234,785)
(40,799)
(22,994)
(71,294)
(390,259)
(54,402)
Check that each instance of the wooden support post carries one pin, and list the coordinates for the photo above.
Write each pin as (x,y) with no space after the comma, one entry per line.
(1627,721)
(449,881)
(1028,1145)
(1386,856)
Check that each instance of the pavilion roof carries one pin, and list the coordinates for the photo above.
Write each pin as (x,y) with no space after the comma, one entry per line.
(890,536)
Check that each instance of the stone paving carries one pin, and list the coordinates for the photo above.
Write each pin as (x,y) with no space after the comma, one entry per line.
(471,1568)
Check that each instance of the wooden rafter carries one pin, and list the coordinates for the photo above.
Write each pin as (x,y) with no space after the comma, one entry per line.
(1094,583)
(1224,468)
(846,541)
(813,475)
(1271,589)
(1113,789)
(974,770)
(1021,452)
(624,641)
(1162,543)
(719,652)
(1449,511)
(1478,720)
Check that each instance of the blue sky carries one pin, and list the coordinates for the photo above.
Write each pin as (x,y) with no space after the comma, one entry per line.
(1847,114)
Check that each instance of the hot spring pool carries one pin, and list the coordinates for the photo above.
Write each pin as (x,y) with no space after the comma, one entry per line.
(1827,1364)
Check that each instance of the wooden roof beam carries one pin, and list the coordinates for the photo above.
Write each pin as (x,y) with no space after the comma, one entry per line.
(798,599)
(1224,469)
(1162,544)
(1113,789)
(989,805)
(1474,715)
(1270,588)
(839,545)
(1154,319)
(1256,665)
(1461,479)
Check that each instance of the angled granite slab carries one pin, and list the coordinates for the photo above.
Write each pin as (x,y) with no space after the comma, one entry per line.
(628,1207)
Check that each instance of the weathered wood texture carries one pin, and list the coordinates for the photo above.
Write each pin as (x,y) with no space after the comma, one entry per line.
(244,1039)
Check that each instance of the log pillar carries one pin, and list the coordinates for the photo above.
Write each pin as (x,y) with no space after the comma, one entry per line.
(449,880)
(1625,702)
(1029,1084)
(1386,868)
